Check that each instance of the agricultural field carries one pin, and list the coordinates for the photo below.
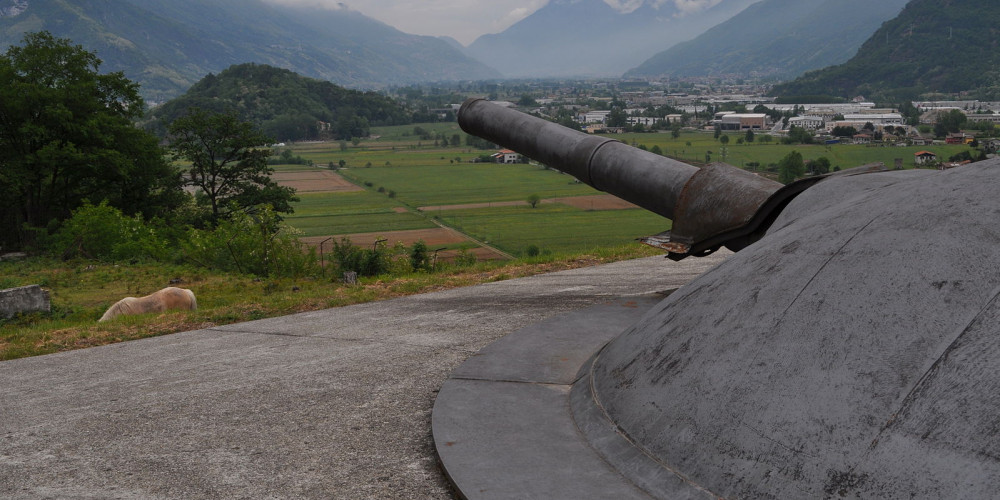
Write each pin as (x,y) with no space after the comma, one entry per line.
(693,146)
(398,186)
(554,227)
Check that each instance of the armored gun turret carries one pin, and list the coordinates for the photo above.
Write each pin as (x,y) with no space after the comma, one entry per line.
(849,348)
(714,206)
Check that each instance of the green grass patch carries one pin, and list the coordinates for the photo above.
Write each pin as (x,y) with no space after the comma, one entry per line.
(322,214)
(557,228)
(356,202)
(842,155)
(324,225)
(469,183)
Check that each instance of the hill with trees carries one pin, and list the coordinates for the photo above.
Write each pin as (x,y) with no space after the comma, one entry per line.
(933,46)
(285,105)
(167,46)
(777,38)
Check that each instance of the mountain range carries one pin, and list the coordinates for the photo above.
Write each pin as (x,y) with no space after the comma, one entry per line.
(775,38)
(932,46)
(568,38)
(167,46)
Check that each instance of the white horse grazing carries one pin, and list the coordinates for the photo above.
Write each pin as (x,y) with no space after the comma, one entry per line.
(168,298)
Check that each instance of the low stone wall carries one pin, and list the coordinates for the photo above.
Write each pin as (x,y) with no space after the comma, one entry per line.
(23,300)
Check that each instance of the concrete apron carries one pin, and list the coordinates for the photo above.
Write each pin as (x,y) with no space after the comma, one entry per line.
(324,404)
(502,423)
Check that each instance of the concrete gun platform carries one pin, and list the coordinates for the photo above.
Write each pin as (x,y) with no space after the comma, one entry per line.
(326,404)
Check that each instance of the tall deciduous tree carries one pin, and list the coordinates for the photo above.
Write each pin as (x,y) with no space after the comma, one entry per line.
(791,167)
(67,135)
(228,162)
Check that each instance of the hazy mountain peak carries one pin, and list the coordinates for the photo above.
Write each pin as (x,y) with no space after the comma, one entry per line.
(597,37)
(678,8)
(312,4)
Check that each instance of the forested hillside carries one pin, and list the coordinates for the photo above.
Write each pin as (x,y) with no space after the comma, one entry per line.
(167,46)
(779,38)
(932,46)
(285,105)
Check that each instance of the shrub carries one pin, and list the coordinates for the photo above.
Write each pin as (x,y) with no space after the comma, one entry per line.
(418,256)
(102,232)
(465,258)
(364,261)
(252,242)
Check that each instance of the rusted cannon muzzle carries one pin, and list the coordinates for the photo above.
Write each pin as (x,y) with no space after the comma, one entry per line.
(710,207)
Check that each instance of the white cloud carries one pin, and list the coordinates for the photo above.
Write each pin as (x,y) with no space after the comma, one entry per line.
(464,20)
(625,6)
(692,6)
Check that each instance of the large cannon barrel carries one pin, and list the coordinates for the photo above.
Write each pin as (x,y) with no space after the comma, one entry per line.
(710,206)
(646,179)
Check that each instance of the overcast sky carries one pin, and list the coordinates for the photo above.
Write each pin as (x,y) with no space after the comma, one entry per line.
(463,20)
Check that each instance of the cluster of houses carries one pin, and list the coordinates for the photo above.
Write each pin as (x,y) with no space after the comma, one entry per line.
(870,123)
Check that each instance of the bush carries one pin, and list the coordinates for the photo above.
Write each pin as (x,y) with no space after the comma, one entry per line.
(465,258)
(364,261)
(102,232)
(532,251)
(419,260)
(252,242)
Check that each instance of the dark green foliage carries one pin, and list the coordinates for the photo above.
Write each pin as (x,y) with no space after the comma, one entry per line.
(284,105)
(532,251)
(819,166)
(932,46)
(842,131)
(250,242)
(67,135)
(949,123)
(364,261)
(419,259)
(288,158)
(533,200)
(228,163)
(791,167)
(103,233)
(963,156)
(798,135)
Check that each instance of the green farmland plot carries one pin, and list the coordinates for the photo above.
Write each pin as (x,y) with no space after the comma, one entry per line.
(842,155)
(469,183)
(320,214)
(555,227)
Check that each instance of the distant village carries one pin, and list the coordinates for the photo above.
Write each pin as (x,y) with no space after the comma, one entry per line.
(854,122)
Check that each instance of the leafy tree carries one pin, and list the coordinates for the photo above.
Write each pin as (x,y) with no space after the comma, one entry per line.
(228,163)
(656,149)
(67,135)
(617,118)
(950,122)
(819,166)
(675,130)
(798,135)
(724,139)
(749,137)
(844,131)
(419,259)
(791,167)
(533,200)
